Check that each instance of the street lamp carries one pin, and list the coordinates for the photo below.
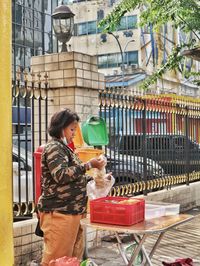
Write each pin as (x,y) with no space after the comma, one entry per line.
(122,52)
(63,23)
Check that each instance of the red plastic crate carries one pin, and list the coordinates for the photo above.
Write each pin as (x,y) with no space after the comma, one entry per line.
(102,210)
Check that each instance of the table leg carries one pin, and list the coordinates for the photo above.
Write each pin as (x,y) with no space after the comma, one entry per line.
(85,254)
(120,248)
(137,250)
(155,245)
(137,238)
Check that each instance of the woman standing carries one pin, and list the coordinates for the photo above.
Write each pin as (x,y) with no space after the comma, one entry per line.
(63,184)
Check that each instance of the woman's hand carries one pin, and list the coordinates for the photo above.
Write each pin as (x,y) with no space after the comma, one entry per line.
(97,163)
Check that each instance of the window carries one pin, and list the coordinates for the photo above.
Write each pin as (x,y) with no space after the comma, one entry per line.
(92,26)
(102,61)
(123,25)
(100,14)
(112,60)
(115,59)
(132,57)
(127,23)
(131,22)
(82,29)
(85,28)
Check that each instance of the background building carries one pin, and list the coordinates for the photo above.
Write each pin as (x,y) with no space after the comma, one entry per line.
(31,35)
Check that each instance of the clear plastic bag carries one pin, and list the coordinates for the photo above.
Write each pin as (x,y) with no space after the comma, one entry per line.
(94,191)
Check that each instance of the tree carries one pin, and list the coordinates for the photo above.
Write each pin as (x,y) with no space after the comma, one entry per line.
(182,14)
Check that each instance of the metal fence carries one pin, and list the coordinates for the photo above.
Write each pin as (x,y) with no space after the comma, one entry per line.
(29,111)
(154,140)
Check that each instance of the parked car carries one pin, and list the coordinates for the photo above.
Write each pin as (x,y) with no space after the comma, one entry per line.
(129,169)
(176,154)
(22,175)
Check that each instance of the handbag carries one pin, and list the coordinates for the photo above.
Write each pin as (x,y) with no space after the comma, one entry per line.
(38,230)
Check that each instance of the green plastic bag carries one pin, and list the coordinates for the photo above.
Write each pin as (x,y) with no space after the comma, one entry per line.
(88,262)
(129,250)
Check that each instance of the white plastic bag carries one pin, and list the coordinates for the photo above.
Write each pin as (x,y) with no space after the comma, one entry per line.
(94,191)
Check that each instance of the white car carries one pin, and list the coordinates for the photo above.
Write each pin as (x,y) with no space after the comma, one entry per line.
(22,176)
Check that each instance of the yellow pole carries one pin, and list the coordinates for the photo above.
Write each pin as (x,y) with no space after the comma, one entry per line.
(6,217)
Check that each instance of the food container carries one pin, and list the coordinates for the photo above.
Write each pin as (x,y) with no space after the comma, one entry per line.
(169,208)
(117,210)
(153,211)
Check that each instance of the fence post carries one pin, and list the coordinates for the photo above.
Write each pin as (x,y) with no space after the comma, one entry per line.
(145,145)
(187,148)
(6,218)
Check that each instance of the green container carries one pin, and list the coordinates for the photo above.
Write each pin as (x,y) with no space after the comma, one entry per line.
(94,131)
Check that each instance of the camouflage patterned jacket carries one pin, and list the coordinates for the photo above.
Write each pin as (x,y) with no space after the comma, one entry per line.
(63,181)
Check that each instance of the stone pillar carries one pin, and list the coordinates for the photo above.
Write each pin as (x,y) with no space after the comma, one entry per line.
(74,82)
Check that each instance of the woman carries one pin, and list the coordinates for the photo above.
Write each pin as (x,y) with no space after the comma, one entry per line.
(63,183)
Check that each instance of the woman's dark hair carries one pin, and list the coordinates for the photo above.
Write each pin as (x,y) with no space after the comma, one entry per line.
(60,120)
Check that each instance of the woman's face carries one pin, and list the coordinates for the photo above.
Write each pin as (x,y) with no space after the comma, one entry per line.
(70,131)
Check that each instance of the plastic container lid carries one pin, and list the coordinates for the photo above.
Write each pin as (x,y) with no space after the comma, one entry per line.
(94,131)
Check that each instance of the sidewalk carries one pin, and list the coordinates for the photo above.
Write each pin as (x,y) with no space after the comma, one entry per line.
(180,242)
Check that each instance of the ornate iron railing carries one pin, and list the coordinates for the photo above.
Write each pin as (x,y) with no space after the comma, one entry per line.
(30,115)
(154,140)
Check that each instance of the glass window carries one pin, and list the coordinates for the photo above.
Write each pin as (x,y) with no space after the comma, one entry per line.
(19,52)
(133,57)
(47,42)
(38,5)
(37,20)
(82,29)
(47,6)
(122,25)
(37,39)
(100,14)
(102,61)
(28,15)
(131,22)
(28,37)
(119,59)
(112,60)
(28,55)
(54,4)
(92,25)
(20,2)
(18,14)
(28,3)
(19,34)
(47,23)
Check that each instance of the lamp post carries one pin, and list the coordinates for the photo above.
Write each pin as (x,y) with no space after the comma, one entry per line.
(63,24)
(122,52)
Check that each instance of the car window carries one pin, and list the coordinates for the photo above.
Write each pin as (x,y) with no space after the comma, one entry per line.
(179,143)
